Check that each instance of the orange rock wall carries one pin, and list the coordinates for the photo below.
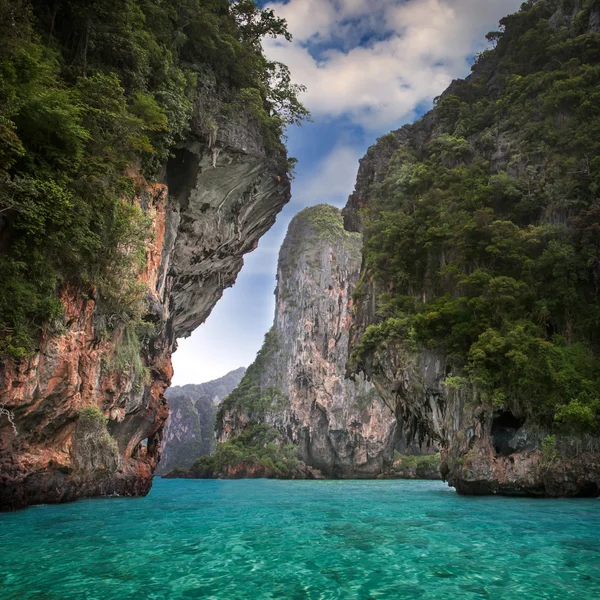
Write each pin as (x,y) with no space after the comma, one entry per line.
(215,209)
(47,392)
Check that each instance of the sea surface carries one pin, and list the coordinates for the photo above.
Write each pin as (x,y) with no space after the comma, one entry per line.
(302,539)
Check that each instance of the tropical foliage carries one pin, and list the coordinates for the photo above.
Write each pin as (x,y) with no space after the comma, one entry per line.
(92,95)
(249,398)
(257,449)
(485,241)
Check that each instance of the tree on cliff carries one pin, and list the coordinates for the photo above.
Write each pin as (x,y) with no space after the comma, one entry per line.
(88,88)
(483,237)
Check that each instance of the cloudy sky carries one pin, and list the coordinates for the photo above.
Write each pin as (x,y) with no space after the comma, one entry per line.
(369,66)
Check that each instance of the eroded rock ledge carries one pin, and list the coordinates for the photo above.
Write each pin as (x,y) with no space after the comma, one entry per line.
(223,191)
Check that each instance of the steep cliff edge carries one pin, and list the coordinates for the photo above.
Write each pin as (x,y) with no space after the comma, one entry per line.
(297,384)
(103,270)
(476,315)
(217,214)
(190,429)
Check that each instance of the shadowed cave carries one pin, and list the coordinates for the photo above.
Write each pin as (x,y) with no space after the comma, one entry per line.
(504,428)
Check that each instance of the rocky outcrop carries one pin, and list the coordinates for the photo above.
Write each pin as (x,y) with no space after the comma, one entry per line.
(414,467)
(486,449)
(248,469)
(257,451)
(190,429)
(297,384)
(222,192)
(244,470)
(540,471)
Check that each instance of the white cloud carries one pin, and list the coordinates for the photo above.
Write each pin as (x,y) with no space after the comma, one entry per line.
(333,180)
(307,18)
(418,47)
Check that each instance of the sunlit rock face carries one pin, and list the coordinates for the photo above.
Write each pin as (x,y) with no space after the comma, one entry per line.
(190,429)
(223,190)
(485,449)
(297,384)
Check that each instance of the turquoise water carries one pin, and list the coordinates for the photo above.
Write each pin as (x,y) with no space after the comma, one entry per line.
(306,539)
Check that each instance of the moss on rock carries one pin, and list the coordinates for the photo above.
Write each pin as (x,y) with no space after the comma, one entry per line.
(95,450)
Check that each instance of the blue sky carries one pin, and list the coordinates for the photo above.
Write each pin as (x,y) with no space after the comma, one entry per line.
(370,66)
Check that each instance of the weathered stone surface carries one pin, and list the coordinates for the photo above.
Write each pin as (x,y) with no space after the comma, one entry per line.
(40,462)
(482,471)
(343,428)
(190,429)
(224,192)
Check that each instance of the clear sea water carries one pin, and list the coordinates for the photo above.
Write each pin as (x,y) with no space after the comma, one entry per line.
(259,539)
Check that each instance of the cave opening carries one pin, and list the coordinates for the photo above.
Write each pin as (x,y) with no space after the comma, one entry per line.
(504,428)
(183,167)
(589,490)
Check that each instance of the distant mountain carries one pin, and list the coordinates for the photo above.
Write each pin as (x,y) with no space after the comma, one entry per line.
(216,389)
(189,432)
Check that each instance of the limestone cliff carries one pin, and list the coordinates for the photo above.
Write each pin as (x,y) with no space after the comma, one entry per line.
(437,200)
(297,384)
(222,192)
(190,429)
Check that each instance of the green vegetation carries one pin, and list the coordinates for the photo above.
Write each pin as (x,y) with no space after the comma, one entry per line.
(549,450)
(127,357)
(420,462)
(178,472)
(327,225)
(248,398)
(91,95)
(485,241)
(324,224)
(569,445)
(95,450)
(423,466)
(257,449)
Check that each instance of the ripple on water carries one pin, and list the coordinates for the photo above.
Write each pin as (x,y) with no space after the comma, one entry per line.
(228,540)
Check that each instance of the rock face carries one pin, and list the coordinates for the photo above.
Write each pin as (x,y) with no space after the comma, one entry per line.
(244,470)
(297,384)
(248,457)
(223,191)
(190,429)
(485,449)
